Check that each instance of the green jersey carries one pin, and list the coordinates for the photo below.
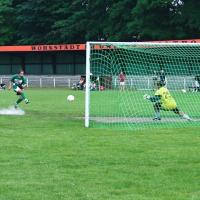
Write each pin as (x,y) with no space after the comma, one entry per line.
(18,81)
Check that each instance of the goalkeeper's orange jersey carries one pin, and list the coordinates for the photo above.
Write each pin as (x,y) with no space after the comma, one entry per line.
(166,100)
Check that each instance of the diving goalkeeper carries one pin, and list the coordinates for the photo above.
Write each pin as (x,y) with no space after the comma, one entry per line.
(162,100)
(18,82)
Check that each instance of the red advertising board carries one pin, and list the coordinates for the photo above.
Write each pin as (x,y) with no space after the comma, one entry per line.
(71,47)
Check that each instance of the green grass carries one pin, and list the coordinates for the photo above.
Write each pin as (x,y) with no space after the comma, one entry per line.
(131,104)
(48,154)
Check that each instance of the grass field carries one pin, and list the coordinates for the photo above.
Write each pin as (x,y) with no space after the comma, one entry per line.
(47,154)
(131,104)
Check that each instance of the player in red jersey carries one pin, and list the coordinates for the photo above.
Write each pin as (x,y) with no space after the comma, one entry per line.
(122,78)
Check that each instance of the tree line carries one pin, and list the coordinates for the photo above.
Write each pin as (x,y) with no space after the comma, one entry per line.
(77,21)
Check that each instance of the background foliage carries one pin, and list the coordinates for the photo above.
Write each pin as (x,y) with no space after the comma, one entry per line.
(76,21)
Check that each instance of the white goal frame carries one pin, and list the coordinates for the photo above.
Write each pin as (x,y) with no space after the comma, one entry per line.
(88,73)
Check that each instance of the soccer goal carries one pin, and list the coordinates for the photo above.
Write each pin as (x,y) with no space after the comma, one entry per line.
(142,84)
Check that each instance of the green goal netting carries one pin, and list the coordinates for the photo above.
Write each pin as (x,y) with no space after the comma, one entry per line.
(137,85)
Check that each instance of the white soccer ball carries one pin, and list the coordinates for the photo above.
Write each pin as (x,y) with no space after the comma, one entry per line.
(70,98)
(183,90)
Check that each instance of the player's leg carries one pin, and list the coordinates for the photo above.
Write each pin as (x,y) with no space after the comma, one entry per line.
(17,90)
(19,100)
(181,114)
(22,97)
(25,98)
(157,108)
(122,85)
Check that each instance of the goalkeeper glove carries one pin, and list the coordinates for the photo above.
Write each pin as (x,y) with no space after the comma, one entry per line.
(146,96)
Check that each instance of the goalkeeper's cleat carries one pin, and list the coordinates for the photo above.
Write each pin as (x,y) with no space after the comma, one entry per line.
(185,116)
(26,101)
(156,119)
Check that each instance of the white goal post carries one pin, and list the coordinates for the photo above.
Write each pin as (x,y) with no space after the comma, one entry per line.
(87,88)
(111,100)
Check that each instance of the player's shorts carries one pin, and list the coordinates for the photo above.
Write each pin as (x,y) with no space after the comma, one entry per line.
(17,89)
(168,106)
(122,83)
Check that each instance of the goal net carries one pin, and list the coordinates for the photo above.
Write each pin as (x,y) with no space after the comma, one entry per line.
(142,84)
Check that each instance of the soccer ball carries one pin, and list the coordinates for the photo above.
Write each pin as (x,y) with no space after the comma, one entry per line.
(70,98)
(183,90)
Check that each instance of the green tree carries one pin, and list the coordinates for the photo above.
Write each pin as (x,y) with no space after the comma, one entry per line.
(165,19)
(81,20)
(34,20)
(118,16)
(188,19)
(70,22)
(7,31)
(77,21)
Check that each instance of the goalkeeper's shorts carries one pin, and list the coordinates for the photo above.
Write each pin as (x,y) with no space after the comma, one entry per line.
(168,106)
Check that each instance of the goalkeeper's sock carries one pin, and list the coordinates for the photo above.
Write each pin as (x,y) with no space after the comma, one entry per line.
(157,116)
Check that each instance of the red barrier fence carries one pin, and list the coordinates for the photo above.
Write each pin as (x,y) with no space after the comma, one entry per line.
(70,47)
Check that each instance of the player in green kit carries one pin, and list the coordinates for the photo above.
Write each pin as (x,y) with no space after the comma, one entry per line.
(18,82)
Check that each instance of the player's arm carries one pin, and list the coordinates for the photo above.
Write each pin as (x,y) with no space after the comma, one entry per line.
(152,98)
(24,84)
(10,83)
